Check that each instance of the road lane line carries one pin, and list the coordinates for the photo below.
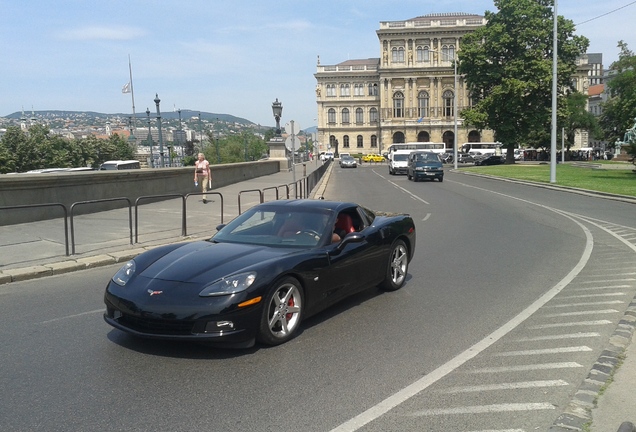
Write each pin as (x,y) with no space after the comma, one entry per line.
(525,368)
(505,386)
(543,351)
(559,337)
(481,409)
(72,316)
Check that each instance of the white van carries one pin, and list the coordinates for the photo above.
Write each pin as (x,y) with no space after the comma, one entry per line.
(399,161)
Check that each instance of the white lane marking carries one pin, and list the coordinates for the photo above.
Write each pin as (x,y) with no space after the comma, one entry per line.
(568,305)
(480,409)
(428,215)
(616,294)
(600,288)
(609,281)
(418,386)
(559,337)
(592,312)
(525,368)
(500,430)
(571,324)
(402,189)
(543,351)
(505,386)
(72,316)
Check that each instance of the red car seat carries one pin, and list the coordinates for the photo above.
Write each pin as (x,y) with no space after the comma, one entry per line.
(344,223)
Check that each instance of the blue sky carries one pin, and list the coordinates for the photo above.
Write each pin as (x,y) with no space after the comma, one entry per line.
(233,57)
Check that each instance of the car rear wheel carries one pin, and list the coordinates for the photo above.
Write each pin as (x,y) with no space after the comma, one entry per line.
(397,268)
(282,313)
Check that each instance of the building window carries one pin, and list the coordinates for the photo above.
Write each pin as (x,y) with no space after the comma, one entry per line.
(373,89)
(448,103)
(397,55)
(448,53)
(422,104)
(345,141)
(359,142)
(345,90)
(359,116)
(358,89)
(423,54)
(374,141)
(373,115)
(331,90)
(345,116)
(398,105)
(331,116)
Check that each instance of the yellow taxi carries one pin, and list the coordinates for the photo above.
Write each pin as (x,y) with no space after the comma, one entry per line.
(372,158)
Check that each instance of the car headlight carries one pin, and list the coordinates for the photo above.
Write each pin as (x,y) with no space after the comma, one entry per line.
(125,273)
(229,285)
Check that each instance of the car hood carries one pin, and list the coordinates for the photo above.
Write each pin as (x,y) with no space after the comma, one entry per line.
(203,262)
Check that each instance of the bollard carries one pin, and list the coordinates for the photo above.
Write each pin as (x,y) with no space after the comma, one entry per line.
(627,427)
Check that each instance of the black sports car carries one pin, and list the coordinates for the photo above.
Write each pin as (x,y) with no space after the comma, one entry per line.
(260,274)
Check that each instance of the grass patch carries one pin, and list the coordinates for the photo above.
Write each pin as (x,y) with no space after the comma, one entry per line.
(617,181)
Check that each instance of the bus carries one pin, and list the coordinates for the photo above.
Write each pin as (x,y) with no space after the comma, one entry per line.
(435,147)
(120,165)
(482,148)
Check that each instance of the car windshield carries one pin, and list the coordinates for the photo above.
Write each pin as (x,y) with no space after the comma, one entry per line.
(400,157)
(427,157)
(277,227)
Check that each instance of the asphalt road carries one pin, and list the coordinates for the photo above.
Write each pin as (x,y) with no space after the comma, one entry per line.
(512,295)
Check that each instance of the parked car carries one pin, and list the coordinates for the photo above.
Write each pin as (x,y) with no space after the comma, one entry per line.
(425,165)
(465,158)
(348,162)
(261,274)
(373,158)
(491,160)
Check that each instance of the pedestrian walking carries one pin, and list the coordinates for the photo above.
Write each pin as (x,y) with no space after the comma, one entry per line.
(202,175)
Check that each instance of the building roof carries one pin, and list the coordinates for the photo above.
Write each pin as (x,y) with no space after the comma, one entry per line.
(360,62)
(595,90)
(436,16)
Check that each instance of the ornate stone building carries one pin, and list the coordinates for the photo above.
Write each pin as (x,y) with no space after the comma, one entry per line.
(405,95)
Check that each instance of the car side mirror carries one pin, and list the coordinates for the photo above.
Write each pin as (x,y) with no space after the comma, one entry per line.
(220,227)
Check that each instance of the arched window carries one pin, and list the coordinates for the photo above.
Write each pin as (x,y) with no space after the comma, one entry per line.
(345,90)
(373,115)
(422,104)
(398,104)
(359,142)
(423,136)
(398,138)
(373,89)
(359,116)
(331,90)
(423,54)
(374,141)
(448,53)
(345,116)
(397,55)
(358,89)
(331,116)
(448,103)
(345,141)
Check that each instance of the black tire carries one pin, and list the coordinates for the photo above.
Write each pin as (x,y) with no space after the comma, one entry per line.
(282,312)
(441,179)
(408,176)
(397,267)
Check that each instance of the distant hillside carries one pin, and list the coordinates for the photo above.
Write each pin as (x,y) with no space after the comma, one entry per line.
(185,114)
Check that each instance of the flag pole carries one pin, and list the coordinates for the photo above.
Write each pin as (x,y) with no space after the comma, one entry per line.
(132,93)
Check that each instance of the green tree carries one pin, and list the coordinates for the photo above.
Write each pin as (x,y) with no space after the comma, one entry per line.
(619,112)
(508,70)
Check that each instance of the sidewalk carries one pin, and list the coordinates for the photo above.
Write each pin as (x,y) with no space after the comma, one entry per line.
(33,250)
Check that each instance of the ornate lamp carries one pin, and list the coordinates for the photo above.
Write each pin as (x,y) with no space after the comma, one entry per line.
(277,108)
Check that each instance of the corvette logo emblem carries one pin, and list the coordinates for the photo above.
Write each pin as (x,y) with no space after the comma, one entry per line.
(151,292)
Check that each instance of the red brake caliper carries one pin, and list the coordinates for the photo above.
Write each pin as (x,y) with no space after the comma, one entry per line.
(289,303)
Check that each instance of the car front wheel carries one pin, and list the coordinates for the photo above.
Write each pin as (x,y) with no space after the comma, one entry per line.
(282,313)
(397,268)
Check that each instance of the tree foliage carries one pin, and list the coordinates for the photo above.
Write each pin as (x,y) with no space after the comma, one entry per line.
(507,66)
(37,148)
(619,112)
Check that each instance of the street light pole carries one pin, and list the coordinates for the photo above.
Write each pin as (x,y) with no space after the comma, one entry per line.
(152,158)
(157,100)
(553,135)
(455,113)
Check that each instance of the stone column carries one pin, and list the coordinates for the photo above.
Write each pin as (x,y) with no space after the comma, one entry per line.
(278,151)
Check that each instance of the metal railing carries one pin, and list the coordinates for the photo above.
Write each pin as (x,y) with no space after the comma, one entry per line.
(95,202)
(26,206)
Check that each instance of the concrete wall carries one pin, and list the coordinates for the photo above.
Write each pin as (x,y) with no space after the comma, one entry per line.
(71,187)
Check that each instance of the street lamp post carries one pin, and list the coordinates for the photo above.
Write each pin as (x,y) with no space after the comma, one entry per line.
(157,100)
(553,135)
(277,109)
(200,135)
(181,141)
(152,158)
